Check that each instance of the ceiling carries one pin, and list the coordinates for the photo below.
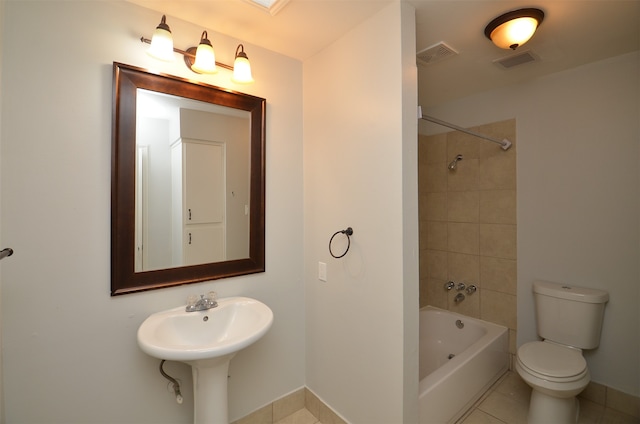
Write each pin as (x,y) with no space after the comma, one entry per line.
(574,32)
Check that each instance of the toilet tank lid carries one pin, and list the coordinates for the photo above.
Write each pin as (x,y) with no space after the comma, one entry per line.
(566,291)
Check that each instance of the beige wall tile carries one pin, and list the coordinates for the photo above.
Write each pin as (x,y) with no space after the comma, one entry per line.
(422,230)
(463,206)
(436,293)
(327,416)
(623,402)
(423,295)
(432,149)
(311,402)
(463,268)
(595,392)
(498,274)
(435,206)
(436,235)
(499,308)
(435,264)
(498,240)
(477,202)
(288,405)
(464,177)
(497,206)
(497,172)
(463,238)
(459,143)
(263,415)
(470,306)
(434,178)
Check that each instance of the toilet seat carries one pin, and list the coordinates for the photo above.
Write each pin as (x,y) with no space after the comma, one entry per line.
(552,362)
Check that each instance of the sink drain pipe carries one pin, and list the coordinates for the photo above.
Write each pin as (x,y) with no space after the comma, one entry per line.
(176,385)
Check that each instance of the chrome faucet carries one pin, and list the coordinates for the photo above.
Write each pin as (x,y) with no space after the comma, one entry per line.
(459,298)
(202,304)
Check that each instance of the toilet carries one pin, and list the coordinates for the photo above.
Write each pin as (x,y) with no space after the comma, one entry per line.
(568,319)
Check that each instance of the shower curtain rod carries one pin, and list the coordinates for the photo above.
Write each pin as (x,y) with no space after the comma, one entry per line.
(505,144)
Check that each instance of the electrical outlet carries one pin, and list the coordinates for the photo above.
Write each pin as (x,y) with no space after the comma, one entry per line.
(322,271)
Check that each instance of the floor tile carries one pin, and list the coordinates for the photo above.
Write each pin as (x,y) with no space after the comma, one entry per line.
(479,417)
(302,416)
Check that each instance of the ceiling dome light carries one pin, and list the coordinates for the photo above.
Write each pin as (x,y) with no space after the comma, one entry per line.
(162,42)
(513,29)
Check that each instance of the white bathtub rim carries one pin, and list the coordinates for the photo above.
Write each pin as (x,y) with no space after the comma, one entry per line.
(494,331)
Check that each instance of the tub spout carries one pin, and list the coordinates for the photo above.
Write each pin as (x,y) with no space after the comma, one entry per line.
(459,298)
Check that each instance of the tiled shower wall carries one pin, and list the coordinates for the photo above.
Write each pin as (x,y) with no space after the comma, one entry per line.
(468,223)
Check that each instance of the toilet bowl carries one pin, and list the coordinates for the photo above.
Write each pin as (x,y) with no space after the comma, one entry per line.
(568,319)
(557,374)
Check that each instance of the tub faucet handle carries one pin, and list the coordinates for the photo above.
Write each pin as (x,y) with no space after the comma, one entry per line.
(461,286)
(450,285)
(471,289)
(459,298)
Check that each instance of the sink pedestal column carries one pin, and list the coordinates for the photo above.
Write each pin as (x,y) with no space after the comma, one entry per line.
(210,390)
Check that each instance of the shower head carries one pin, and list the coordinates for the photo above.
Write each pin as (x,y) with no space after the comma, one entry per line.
(454,163)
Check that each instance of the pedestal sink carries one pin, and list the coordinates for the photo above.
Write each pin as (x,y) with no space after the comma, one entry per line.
(206,340)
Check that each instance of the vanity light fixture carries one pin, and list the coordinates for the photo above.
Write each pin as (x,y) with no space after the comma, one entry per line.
(201,60)
(162,42)
(241,67)
(513,29)
(205,57)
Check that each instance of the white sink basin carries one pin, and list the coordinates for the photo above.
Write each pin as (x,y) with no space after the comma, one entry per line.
(177,335)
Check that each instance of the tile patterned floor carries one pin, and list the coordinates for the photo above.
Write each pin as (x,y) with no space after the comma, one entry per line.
(507,402)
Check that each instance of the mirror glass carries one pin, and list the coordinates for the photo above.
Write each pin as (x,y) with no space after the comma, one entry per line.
(192,182)
(188,182)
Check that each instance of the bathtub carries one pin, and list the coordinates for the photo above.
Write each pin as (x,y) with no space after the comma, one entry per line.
(457,365)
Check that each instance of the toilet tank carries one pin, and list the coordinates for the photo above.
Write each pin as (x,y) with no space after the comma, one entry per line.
(569,315)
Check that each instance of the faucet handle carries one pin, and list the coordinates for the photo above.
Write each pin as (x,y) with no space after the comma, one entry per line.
(192,299)
(461,286)
(212,296)
(450,285)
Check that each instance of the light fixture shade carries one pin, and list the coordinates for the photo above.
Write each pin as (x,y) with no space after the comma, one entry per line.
(162,42)
(513,29)
(241,67)
(205,57)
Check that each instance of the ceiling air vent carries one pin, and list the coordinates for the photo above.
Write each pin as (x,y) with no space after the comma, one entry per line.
(517,59)
(436,53)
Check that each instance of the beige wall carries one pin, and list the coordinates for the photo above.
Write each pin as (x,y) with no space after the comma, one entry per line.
(468,223)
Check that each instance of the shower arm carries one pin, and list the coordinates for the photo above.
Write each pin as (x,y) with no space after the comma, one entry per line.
(505,144)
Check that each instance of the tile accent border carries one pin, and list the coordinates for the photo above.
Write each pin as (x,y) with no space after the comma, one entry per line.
(289,404)
(304,398)
(612,398)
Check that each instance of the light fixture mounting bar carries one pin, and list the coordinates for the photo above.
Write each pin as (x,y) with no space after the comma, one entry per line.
(188,54)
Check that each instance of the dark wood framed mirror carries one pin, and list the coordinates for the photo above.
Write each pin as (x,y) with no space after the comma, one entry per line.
(206,121)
